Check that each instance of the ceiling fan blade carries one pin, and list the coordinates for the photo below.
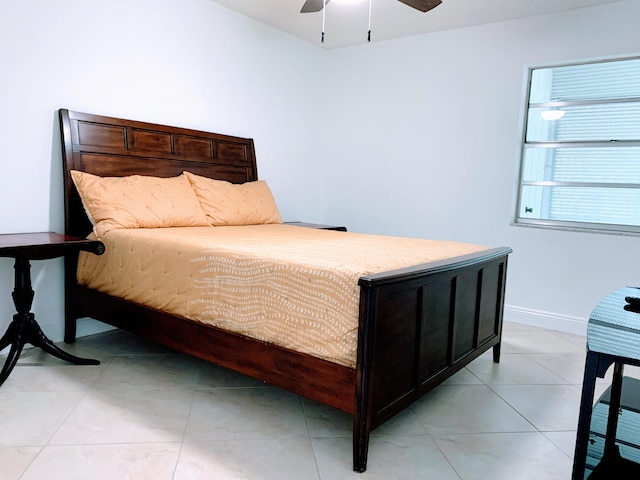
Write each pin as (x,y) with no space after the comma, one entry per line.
(422,5)
(313,6)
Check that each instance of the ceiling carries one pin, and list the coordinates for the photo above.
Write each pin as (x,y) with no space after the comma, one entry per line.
(346,24)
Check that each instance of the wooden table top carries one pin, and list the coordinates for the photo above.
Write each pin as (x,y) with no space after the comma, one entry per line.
(42,245)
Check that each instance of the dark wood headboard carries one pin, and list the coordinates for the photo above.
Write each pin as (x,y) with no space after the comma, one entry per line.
(113,147)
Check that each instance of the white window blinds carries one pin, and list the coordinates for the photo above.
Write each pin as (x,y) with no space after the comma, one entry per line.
(581,151)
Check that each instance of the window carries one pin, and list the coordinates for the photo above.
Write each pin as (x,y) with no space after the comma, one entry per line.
(580,164)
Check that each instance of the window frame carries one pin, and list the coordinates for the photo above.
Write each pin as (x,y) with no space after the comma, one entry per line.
(517,220)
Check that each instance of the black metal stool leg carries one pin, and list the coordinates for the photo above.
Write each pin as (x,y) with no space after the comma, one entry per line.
(584,417)
(614,410)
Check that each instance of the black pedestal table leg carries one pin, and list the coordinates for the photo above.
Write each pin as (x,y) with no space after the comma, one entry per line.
(24,328)
(17,344)
(38,339)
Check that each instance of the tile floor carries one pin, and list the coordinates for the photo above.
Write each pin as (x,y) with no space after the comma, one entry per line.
(150,413)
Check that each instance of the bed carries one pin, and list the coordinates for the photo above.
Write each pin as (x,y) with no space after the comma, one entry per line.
(415,326)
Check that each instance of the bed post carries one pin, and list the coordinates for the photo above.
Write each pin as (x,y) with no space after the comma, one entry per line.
(362,416)
(496,352)
(502,288)
(70,263)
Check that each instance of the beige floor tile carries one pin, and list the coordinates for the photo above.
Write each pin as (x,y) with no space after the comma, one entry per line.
(324,421)
(15,460)
(465,376)
(520,327)
(404,423)
(244,413)
(163,371)
(37,377)
(282,459)
(130,415)
(468,409)
(547,407)
(565,441)
(505,456)
(513,369)
(32,418)
(105,462)
(568,366)
(539,342)
(126,414)
(390,458)
(579,340)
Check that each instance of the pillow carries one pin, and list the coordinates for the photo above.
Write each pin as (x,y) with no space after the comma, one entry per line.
(138,201)
(226,203)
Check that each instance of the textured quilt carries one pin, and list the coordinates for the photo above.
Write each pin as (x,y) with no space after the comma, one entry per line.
(292,286)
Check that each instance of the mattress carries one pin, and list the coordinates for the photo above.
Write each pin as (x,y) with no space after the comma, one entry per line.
(288,285)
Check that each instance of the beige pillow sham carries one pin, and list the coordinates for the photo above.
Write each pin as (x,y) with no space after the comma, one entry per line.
(138,201)
(226,203)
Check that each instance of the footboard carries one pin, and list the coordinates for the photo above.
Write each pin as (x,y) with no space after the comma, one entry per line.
(419,326)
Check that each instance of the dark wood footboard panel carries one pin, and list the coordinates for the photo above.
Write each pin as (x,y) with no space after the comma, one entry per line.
(418,327)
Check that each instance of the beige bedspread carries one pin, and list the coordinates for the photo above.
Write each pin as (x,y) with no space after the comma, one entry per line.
(293,286)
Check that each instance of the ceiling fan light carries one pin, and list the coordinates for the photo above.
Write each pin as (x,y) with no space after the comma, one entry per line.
(552,114)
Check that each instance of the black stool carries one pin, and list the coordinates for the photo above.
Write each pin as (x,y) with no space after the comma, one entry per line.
(613,338)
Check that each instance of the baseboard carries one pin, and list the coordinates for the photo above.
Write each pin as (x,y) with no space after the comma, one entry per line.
(550,320)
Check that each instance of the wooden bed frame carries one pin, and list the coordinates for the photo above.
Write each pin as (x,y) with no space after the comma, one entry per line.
(418,326)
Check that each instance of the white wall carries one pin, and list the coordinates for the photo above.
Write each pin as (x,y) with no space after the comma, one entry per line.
(416,136)
(190,63)
(425,133)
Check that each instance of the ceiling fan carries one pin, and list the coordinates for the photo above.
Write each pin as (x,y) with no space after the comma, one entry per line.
(422,5)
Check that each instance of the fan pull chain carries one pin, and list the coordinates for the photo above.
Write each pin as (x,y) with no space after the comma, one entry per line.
(324,10)
(369,33)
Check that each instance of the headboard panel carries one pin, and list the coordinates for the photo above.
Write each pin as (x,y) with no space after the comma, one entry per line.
(114,147)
